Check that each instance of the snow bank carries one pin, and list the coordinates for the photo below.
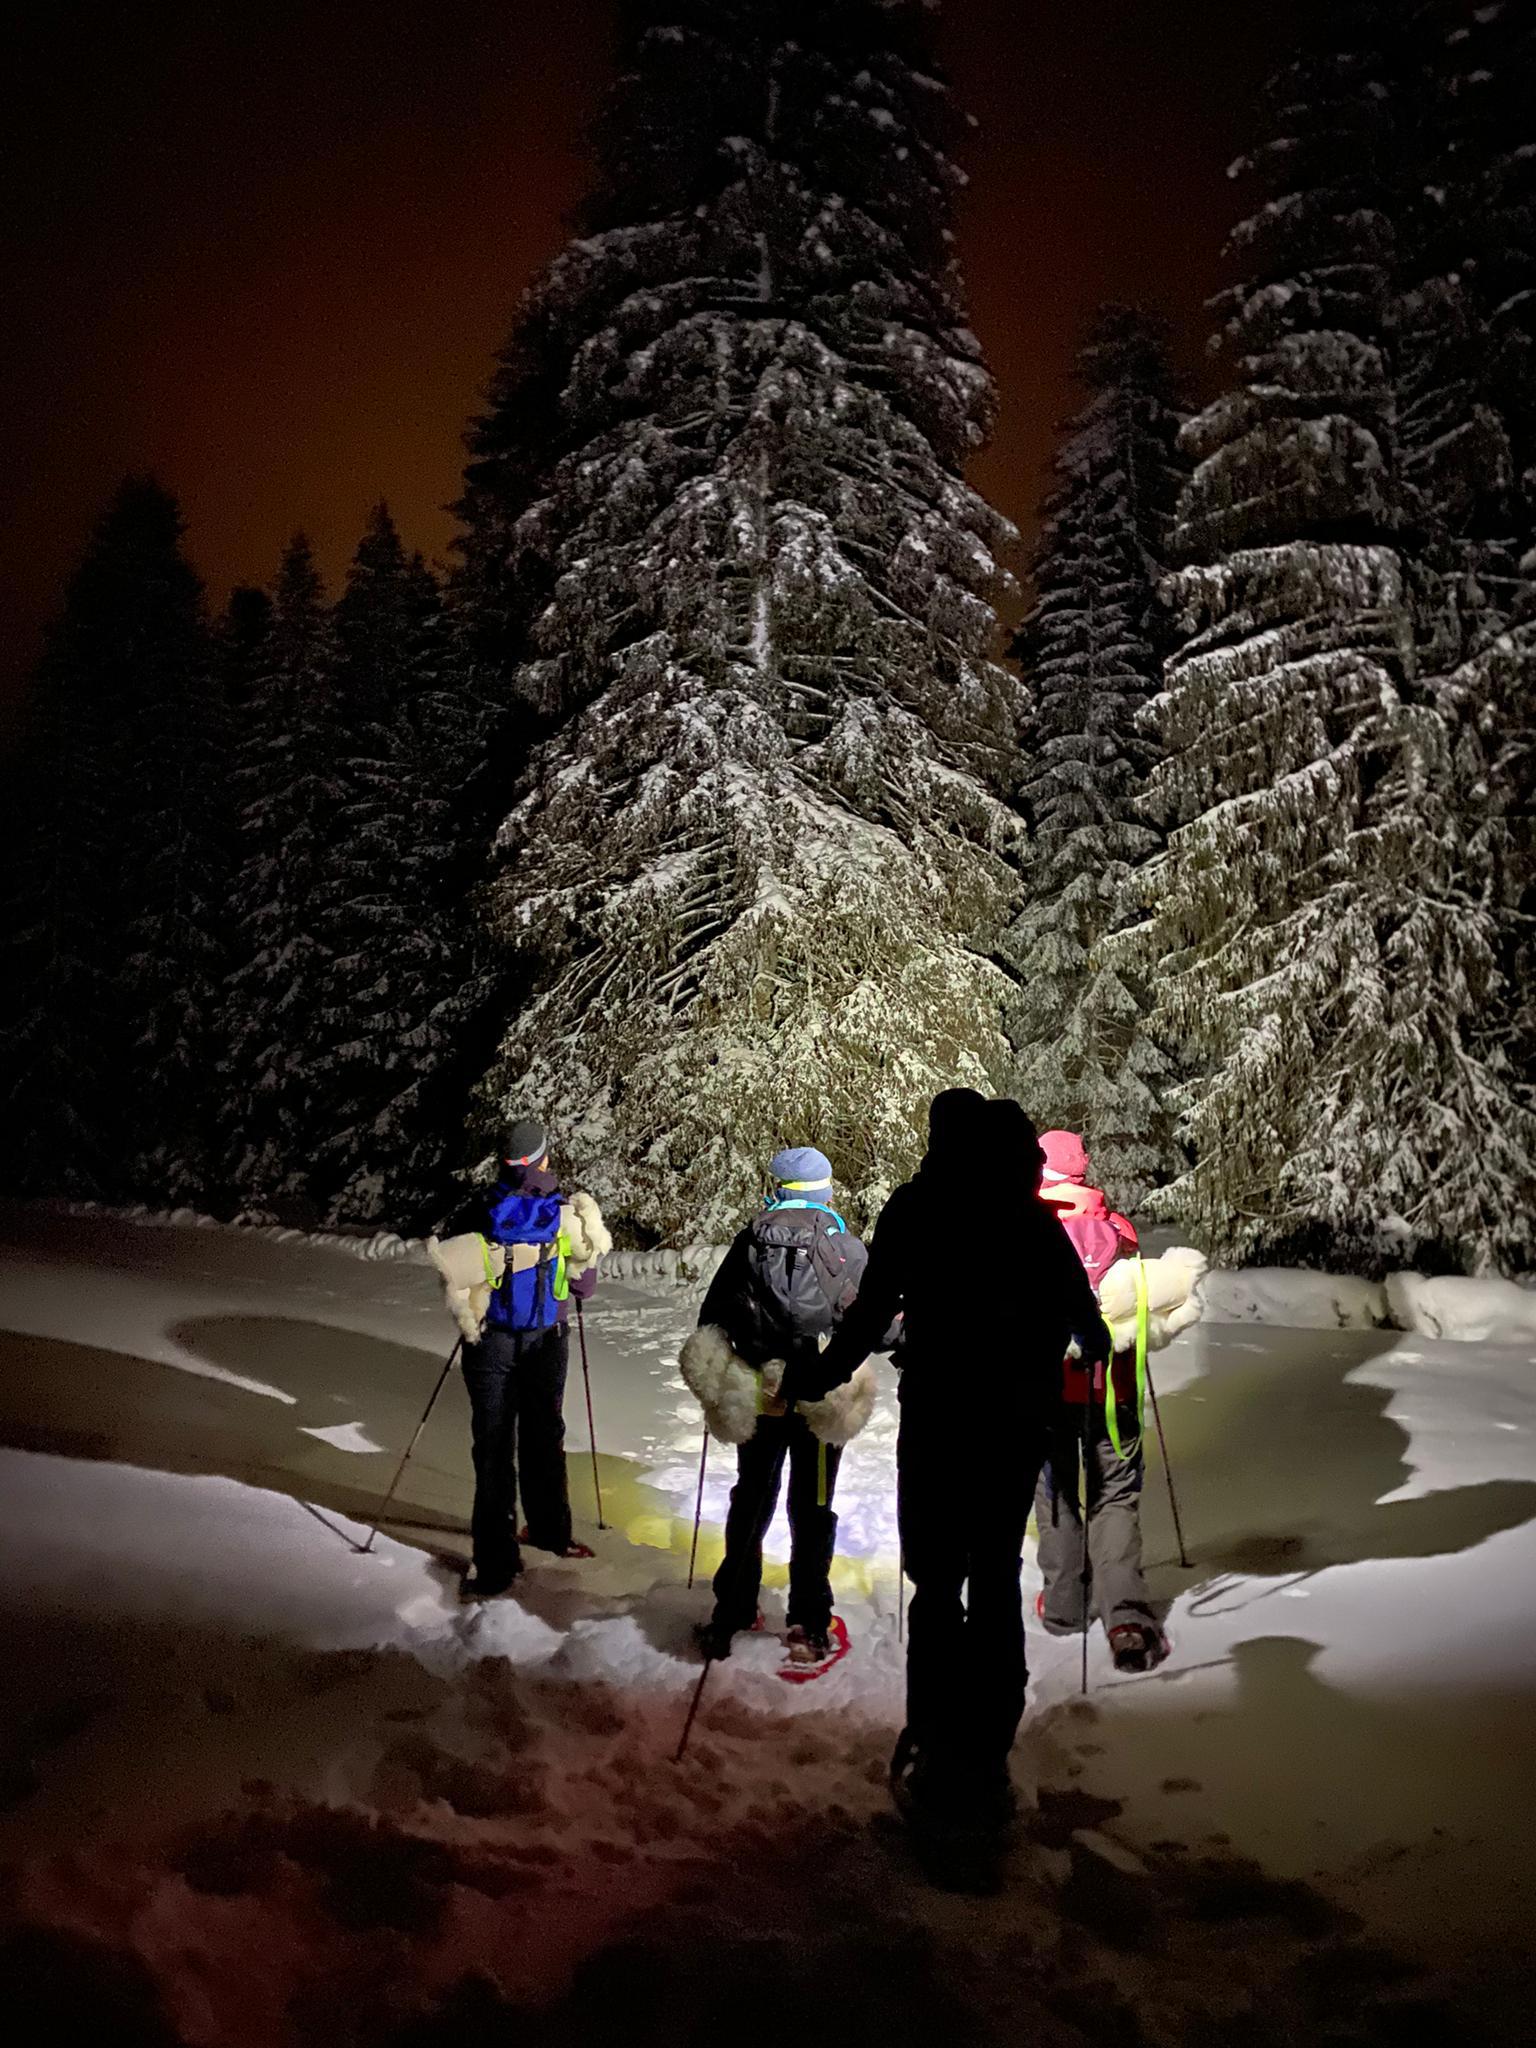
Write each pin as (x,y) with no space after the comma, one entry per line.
(372,1245)
(1460,1310)
(1467,1311)
(694,1265)
(1294,1298)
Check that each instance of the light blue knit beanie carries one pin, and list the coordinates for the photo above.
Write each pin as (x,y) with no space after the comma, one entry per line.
(802,1168)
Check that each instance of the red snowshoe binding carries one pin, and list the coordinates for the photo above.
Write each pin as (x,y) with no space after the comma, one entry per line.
(808,1656)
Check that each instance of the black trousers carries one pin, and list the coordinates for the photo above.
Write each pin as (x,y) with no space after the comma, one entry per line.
(516,1382)
(812,1524)
(963,1499)
(1117,1589)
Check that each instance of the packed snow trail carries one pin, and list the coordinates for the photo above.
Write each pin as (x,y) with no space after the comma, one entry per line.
(285,1793)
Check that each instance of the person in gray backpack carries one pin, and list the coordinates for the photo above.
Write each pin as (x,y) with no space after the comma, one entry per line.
(783,1285)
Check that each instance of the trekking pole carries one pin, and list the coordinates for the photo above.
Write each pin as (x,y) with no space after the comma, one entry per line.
(1082,1509)
(693,1708)
(770,1487)
(698,1510)
(586,1376)
(1173,1498)
(416,1439)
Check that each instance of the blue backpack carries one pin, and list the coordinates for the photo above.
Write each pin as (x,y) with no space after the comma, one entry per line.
(534,1284)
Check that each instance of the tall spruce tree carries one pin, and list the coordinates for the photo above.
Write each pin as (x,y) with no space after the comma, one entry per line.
(1091,650)
(177,873)
(1323,955)
(113,876)
(242,652)
(752,873)
(290,791)
(391,914)
(1480,256)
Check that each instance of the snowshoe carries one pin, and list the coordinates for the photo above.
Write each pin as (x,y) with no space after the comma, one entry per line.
(810,1655)
(1136,1646)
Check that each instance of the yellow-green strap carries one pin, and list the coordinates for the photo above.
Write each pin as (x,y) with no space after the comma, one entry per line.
(562,1253)
(485,1260)
(1111,1405)
(821,1473)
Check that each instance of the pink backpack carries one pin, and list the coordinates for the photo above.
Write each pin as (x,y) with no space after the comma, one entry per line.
(1096,1241)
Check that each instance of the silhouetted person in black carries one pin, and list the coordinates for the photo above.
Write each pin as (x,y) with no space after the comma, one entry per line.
(991,1293)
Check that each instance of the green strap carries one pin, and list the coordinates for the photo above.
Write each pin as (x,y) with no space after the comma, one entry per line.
(1111,1405)
(485,1260)
(762,1403)
(562,1253)
(821,1473)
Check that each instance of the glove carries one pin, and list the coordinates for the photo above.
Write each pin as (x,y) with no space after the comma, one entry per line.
(1091,1348)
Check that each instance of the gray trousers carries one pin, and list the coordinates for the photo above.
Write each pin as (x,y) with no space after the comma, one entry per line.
(1117,1590)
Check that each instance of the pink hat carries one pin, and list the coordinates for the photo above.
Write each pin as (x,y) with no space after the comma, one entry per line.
(1066,1156)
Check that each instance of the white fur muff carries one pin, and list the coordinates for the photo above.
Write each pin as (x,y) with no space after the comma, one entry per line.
(1174,1299)
(726,1388)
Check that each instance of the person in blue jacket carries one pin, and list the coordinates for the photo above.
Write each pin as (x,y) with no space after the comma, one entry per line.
(515,1374)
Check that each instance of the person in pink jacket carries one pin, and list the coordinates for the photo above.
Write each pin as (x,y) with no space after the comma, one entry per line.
(1117,1590)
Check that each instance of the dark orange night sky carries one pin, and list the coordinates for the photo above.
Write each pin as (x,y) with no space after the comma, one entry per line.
(267,250)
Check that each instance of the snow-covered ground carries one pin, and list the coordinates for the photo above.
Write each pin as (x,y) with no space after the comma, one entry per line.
(256,1788)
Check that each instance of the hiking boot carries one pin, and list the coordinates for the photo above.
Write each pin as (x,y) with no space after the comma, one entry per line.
(811,1652)
(904,1774)
(807,1646)
(949,1803)
(1136,1646)
(572,1549)
(477,1585)
(1051,1626)
(714,1639)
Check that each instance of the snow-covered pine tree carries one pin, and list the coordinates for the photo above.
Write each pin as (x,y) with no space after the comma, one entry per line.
(1091,650)
(1320,957)
(1466,356)
(1484,191)
(392,914)
(752,874)
(289,791)
(108,969)
(177,867)
(242,652)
